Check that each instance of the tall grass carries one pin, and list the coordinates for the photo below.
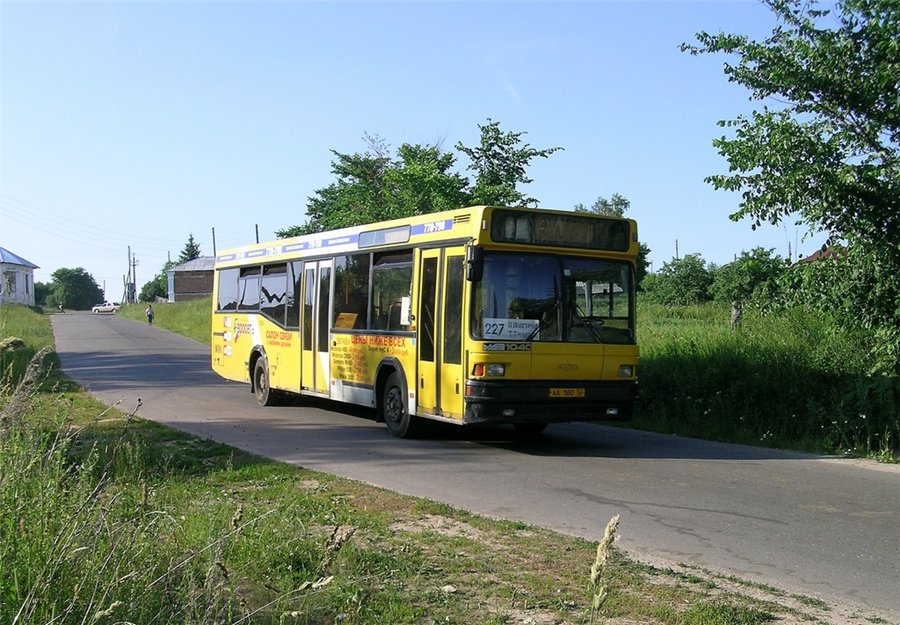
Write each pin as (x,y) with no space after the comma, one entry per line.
(790,380)
(191,318)
(98,527)
(99,523)
(18,321)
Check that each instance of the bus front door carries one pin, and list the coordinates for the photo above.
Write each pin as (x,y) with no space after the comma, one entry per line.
(439,324)
(316,323)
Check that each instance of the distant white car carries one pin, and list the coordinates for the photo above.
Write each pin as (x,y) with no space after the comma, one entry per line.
(109,307)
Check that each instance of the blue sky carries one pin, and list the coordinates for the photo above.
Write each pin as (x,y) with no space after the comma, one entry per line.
(136,124)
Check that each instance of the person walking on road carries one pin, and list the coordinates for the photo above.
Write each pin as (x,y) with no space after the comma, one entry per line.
(149,313)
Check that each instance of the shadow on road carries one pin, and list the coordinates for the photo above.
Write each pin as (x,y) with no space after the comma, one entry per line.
(103,371)
(326,429)
(323,430)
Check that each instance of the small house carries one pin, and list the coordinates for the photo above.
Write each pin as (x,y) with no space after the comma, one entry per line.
(191,280)
(16,279)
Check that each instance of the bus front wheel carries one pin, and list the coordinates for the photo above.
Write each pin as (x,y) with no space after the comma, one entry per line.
(394,408)
(265,395)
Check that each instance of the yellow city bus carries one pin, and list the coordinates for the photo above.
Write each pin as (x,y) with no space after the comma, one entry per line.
(471,316)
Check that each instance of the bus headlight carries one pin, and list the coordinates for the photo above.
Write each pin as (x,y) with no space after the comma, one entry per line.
(490,370)
(626,371)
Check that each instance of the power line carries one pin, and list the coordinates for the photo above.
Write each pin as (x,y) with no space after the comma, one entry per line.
(59,224)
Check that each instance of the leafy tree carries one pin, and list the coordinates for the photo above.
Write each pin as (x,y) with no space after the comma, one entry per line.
(355,198)
(849,283)
(375,186)
(423,182)
(751,278)
(190,252)
(159,285)
(829,151)
(74,288)
(500,163)
(617,206)
(41,293)
(641,271)
(680,281)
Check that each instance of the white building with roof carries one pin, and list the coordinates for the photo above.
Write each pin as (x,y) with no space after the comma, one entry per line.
(16,279)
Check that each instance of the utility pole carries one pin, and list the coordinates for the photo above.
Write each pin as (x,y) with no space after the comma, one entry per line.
(676,249)
(134,264)
(257,233)
(126,299)
(214,242)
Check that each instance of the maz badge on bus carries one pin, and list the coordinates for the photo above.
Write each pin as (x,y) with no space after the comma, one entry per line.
(507,347)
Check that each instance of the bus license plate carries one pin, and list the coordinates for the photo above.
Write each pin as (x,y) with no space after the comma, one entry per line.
(566,392)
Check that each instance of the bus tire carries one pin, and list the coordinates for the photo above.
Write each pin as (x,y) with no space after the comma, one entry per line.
(265,394)
(395,410)
(529,429)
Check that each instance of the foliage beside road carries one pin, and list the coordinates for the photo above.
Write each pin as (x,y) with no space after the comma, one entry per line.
(791,380)
(192,318)
(107,518)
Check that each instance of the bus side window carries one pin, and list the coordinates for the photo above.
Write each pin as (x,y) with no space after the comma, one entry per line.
(228,288)
(248,286)
(273,292)
(295,272)
(351,291)
(391,286)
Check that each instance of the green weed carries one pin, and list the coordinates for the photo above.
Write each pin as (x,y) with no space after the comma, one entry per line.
(790,380)
(722,613)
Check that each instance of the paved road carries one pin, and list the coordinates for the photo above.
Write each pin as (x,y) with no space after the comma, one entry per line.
(822,527)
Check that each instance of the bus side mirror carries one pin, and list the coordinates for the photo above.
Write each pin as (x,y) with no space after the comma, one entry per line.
(474,263)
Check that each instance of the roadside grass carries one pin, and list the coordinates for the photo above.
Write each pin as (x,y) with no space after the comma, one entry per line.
(787,380)
(192,318)
(19,322)
(106,518)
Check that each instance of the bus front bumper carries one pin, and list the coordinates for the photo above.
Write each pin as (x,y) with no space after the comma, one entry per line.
(548,401)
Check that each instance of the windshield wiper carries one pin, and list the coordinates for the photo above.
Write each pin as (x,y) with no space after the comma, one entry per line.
(589,324)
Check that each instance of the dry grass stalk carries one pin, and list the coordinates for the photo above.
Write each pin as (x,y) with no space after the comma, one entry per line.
(339,536)
(11,343)
(26,388)
(599,586)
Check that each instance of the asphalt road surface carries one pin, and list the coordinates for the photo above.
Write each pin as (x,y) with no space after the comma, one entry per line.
(821,527)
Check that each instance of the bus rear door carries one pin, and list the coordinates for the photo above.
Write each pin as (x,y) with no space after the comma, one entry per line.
(316,323)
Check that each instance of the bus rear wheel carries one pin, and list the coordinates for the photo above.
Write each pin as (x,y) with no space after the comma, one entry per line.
(395,410)
(265,394)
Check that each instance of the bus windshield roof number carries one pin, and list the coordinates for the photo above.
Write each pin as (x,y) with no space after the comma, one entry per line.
(582,231)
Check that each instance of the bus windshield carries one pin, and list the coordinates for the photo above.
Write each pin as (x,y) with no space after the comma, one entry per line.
(554,298)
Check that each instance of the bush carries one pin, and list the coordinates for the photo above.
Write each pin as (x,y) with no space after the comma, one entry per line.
(794,380)
(752,278)
(679,282)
